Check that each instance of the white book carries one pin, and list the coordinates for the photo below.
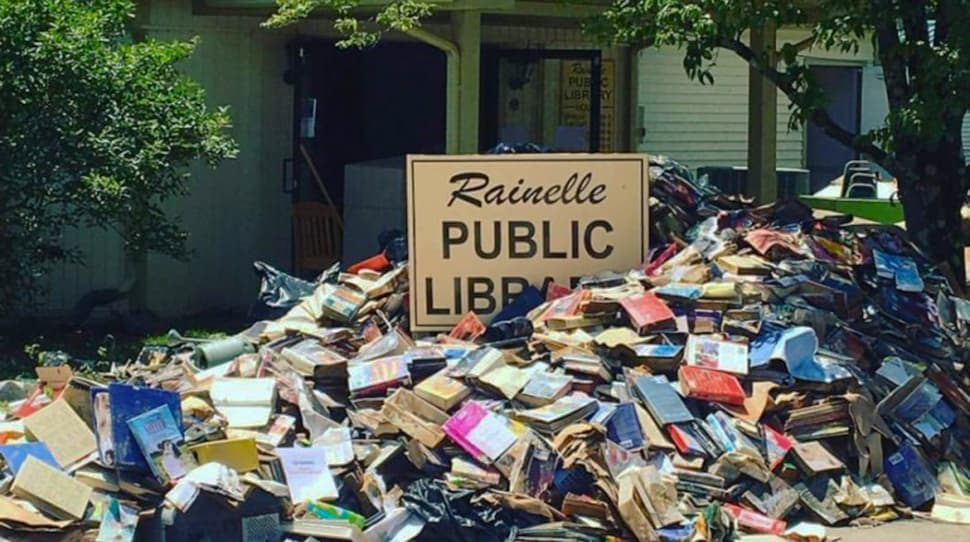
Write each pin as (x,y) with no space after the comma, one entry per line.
(307,474)
(711,353)
(245,402)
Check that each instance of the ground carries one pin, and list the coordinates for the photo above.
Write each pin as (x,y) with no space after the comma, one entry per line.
(907,530)
(98,341)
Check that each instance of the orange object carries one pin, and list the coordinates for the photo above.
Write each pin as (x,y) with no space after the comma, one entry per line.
(377,262)
(468,328)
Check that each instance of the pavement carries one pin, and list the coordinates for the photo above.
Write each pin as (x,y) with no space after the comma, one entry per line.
(906,530)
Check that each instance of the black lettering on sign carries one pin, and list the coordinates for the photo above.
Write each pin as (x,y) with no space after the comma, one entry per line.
(466,179)
(429,298)
(457,294)
(452,233)
(476,189)
(588,239)
(486,293)
(527,238)
(547,251)
(496,241)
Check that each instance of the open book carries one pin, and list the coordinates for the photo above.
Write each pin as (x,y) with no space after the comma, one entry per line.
(245,402)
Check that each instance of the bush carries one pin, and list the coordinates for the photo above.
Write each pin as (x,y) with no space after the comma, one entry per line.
(96,130)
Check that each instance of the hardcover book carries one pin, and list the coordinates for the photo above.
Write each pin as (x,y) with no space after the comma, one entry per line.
(663,403)
(710,385)
(162,444)
(480,432)
(125,402)
(647,311)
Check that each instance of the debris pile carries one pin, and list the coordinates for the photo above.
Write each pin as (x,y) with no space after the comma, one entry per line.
(766,372)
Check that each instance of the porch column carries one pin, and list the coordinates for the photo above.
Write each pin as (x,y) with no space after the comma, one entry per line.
(467,27)
(762,120)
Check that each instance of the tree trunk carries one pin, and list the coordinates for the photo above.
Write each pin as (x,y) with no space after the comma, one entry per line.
(932,198)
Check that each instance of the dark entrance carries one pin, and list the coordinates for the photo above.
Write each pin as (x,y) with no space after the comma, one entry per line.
(825,157)
(355,105)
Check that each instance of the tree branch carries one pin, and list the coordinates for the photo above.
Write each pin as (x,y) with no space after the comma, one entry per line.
(894,71)
(817,115)
(801,45)
(915,26)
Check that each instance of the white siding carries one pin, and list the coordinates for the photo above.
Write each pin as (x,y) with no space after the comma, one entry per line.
(708,125)
(703,124)
(235,213)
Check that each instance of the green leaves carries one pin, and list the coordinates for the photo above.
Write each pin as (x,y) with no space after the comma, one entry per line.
(95,130)
(358,29)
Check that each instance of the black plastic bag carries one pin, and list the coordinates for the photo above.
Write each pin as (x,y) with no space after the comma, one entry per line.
(450,515)
(278,290)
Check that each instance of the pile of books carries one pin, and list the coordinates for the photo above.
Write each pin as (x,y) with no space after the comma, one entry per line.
(764,370)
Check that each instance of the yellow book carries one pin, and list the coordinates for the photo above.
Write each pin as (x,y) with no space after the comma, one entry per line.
(719,290)
(237,453)
(442,391)
(506,379)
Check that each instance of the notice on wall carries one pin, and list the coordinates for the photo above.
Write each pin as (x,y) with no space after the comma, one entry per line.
(574,102)
(481,228)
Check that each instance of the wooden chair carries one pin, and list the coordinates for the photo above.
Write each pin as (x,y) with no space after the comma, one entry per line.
(317,236)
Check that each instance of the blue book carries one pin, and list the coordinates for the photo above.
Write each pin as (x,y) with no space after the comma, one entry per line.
(16,454)
(162,444)
(623,427)
(677,291)
(763,346)
(661,400)
(915,483)
(126,402)
(526,300)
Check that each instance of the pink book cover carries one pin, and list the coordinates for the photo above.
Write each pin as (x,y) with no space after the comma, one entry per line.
(480,432)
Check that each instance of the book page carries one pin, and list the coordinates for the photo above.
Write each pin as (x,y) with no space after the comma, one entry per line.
(307,474)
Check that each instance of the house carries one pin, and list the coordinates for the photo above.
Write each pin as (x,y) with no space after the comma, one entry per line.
(477,73)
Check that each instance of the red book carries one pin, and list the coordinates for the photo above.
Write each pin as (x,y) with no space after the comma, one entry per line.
(468,328)
(555,290)
(778,445)
(710,385)
(646,310)
(752,521)
(566,306)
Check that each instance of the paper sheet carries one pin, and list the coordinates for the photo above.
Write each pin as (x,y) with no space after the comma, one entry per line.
(307,474)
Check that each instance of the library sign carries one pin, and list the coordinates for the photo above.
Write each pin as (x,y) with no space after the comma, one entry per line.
(482,227)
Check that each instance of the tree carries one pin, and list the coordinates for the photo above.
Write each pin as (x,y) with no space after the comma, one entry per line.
(358,31)
(924,50)
(96,130)
(923,47)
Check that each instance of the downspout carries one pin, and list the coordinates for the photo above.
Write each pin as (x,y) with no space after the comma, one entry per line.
(453,90)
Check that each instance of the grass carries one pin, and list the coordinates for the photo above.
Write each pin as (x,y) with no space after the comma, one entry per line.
(95,345)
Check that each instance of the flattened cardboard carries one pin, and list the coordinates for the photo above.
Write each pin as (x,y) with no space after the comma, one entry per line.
(51,490)
(415,417)
(63,431)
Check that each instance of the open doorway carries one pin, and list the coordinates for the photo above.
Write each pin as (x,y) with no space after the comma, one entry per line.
(825,157)
(547,97)
(385,101)
(352,106)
